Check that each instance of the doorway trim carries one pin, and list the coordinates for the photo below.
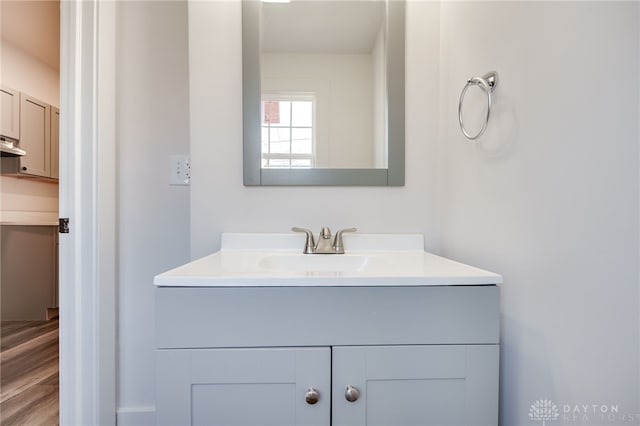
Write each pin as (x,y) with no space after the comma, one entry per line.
(88,262)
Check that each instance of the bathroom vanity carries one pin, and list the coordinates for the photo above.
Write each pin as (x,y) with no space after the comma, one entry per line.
(386,334)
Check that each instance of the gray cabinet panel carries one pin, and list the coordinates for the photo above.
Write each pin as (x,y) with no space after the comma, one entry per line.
(55,142)
(235,404)
(35,136)
(420,402)
(10,110)
(28,272)
(482,385)
(202,317)
(416,385)
(248,387)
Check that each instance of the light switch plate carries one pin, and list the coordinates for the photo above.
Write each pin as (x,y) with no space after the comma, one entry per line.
(179,170)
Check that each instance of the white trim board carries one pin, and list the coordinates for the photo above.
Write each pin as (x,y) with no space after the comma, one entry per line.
(87,195)
(137,416)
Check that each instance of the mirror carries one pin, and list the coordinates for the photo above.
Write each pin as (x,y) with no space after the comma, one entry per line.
(323,92)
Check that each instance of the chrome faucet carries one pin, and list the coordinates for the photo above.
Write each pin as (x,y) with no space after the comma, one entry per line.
(324,245)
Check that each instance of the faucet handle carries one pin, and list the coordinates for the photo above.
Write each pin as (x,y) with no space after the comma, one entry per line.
(337,242)
(310,244)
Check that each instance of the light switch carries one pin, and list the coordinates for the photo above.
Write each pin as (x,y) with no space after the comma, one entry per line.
(179,170)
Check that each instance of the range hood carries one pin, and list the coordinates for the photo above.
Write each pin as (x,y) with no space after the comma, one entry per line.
(8,149)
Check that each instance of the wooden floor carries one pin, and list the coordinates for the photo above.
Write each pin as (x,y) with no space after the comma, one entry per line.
(29,373)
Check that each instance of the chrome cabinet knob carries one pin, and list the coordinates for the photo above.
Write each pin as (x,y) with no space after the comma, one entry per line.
(352,394)
(312,396)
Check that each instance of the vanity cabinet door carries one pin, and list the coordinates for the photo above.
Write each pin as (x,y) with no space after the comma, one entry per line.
(244,387)
(416,385)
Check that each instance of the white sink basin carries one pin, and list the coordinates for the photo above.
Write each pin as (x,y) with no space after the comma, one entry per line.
(276,260)
(313,262)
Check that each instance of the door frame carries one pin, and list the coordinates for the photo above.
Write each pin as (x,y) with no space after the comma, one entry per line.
(88,195)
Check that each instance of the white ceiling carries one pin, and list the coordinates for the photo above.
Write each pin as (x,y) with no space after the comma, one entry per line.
(33,26)
(321,26)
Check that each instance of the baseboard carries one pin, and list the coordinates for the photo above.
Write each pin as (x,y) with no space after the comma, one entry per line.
(136,416)
(52,313)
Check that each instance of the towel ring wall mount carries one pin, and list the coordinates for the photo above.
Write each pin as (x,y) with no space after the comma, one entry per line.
(487,83)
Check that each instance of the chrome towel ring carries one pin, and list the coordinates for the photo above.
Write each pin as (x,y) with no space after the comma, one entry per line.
(487,83)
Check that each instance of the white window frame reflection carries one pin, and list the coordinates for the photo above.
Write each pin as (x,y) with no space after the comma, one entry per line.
(270,159)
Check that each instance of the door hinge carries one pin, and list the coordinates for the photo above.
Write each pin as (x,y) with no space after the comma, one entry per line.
(63,226)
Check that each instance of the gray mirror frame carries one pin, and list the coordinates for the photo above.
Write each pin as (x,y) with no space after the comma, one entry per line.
(254,175)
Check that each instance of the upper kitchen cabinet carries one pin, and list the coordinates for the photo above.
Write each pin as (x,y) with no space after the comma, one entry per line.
(38,126)
(10,108)
(35,136)
(55,141)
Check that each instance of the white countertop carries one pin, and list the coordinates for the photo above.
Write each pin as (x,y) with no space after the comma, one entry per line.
(256,260)
(27,218)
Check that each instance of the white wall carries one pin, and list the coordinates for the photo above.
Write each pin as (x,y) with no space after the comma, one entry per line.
(152,117)
(343,87)
(25,73)
(26,195)
(219,201)
(549,196)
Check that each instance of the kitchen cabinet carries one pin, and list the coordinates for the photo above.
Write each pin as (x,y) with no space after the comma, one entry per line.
(35,126)
(55,142)
(10,110)
(35,136)
(29,271)
(393,356)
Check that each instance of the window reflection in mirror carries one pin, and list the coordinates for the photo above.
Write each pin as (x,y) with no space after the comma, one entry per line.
(288,129)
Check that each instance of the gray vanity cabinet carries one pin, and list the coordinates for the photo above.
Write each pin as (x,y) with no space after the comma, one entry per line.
(408,356)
